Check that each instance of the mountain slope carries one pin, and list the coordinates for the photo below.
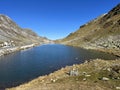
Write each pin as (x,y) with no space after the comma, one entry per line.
(14,38)
(12,35)
(100,33)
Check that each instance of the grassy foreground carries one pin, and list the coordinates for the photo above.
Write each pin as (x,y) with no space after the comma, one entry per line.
(91,75)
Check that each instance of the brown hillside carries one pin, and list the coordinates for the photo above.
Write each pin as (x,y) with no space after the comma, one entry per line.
(100,33)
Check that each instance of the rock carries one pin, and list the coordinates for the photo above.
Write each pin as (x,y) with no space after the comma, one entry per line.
(118,88)
(86,61)
(74,72)
(53,80)
(6,44)
(118,78)
(105,79)
(109,69)
(116,68)
(84,79)
(84,73)
(87,75)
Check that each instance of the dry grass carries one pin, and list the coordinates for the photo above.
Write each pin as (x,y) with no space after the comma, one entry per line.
(60,80)
(101,33)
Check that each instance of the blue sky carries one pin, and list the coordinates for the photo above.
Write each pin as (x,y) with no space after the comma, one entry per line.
(54,18)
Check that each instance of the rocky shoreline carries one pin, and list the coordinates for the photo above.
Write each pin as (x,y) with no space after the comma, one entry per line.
(115,52)
(8,50)
(91,75)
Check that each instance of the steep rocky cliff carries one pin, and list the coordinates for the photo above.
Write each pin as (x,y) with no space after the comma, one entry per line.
(100,33)
(12,35)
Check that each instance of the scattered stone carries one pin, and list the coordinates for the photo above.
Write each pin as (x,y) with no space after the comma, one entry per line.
(109,69)
(84,79)
(118,88)
(118,78)
(116,68)
(104,69)
(74,72)
(105,79)
(86,61)
(87,75)
(73,66)
(119,71)
(84,73)
(53,80)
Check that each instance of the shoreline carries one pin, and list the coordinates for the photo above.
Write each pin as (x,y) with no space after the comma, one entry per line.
(8,50)
(93,75)
(56,76)
(114,52)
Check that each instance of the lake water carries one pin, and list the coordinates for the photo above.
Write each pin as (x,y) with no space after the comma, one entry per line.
(22,66)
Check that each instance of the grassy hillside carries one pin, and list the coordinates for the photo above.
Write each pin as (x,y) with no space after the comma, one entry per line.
(100,33)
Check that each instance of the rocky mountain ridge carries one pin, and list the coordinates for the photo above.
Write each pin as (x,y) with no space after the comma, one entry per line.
(13,37)
(11,33)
